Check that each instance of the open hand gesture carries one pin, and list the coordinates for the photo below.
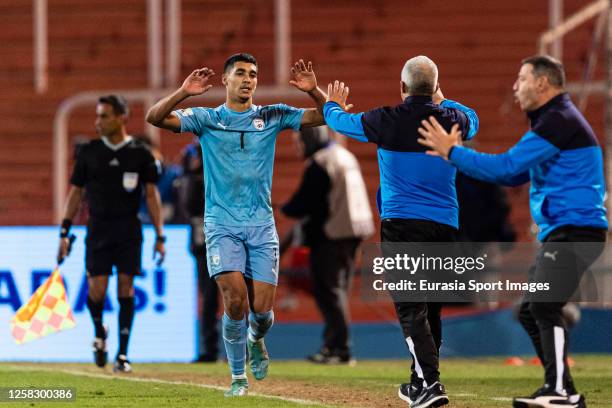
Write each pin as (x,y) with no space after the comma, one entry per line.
(197,82)
(338,92)
(304,77)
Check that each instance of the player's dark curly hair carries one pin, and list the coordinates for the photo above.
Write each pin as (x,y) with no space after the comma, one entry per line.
(240,57)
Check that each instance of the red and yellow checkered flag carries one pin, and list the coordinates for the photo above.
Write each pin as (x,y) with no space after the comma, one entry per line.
(46,312)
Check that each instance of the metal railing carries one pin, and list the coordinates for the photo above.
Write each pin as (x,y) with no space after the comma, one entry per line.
(575,20)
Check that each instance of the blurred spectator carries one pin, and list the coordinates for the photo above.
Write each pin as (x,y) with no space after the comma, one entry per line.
(295,275)
(485,219)
(166,185)
(333,204)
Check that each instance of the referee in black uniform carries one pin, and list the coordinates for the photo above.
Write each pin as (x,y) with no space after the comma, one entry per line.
(113,170)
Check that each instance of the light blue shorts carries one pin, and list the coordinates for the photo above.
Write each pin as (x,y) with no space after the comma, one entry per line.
(250,250)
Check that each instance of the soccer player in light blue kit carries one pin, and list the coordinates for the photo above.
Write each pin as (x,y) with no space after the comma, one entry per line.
(238,140)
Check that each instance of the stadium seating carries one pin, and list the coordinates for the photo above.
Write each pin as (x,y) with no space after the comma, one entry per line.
(102,45)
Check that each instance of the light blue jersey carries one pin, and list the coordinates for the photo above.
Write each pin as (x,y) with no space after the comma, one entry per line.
(238,153)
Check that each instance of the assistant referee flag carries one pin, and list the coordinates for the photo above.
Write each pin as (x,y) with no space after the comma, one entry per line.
(47,312)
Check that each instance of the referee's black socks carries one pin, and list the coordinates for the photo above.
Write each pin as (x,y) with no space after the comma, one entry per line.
(126,317)
(96,309)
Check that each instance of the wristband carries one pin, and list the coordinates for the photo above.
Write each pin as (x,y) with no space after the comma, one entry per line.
(160,238)
(65,228)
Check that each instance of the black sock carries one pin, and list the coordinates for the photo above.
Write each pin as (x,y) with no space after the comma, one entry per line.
(95,310)
(126,316)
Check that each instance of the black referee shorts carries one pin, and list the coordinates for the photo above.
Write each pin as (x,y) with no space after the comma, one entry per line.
(113,243)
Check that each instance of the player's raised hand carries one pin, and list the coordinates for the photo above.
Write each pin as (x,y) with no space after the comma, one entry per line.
(338,92)
(304,77)
(197,82)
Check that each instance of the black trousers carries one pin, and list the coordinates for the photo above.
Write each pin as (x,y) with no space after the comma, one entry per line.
(420,321)
(209,323)
(332,269)
(562,265)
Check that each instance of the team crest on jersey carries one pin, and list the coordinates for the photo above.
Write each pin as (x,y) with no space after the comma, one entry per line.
(259,124)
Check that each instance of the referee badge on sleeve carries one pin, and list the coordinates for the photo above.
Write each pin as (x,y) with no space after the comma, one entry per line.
(130,181)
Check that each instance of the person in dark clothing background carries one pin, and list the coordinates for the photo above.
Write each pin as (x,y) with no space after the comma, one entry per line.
(193,205)
(167,185)
(417,200)
(483,211)
(333,205)
(561,157)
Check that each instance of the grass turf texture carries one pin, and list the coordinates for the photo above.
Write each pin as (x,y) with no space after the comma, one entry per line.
(470,383)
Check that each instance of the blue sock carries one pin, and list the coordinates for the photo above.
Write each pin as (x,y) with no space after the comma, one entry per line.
(259,324)
(234,337)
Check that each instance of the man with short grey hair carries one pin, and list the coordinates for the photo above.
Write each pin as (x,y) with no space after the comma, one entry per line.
(420,76)
(417,200)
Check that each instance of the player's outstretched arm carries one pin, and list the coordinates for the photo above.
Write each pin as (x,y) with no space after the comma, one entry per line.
(196,83)
(508,168)
(336,115)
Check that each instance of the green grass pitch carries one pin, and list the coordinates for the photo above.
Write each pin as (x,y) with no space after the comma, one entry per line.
(471,383)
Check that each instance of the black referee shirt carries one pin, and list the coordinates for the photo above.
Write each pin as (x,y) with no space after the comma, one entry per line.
(114,177)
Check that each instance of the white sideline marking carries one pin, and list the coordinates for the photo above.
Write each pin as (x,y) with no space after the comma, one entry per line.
(476,395)
(156,380)
(206,386)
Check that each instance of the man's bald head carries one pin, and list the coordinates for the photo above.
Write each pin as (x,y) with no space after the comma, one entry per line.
(420,76)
